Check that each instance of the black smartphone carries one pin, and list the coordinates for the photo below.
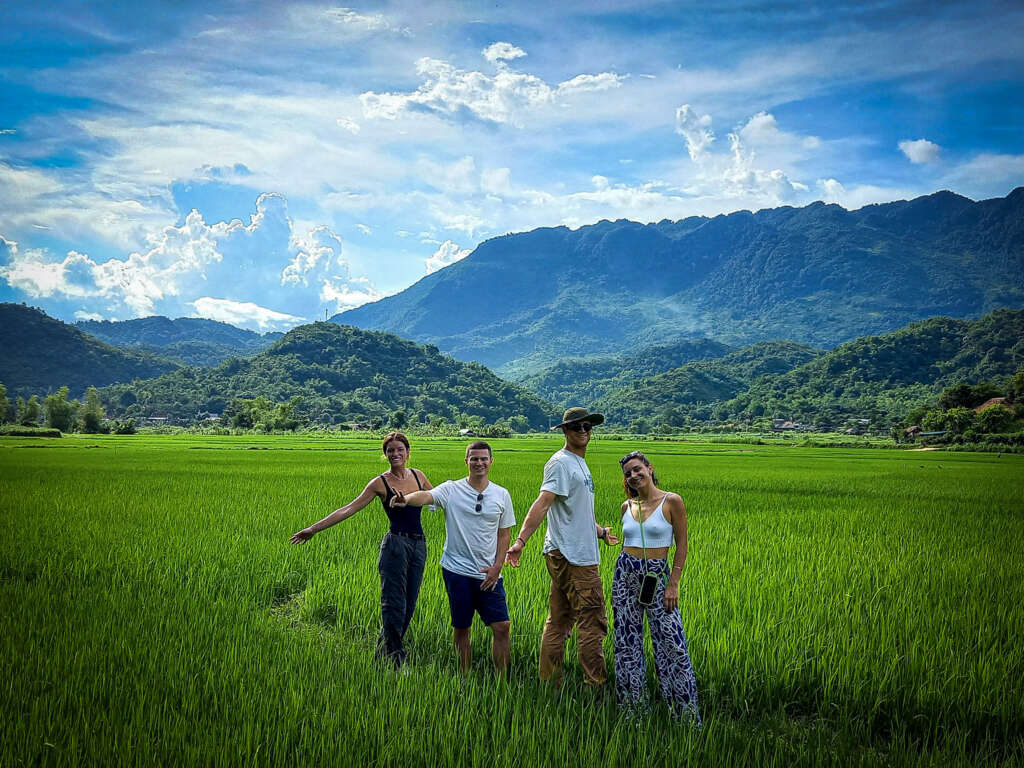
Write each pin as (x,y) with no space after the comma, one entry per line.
(648,589)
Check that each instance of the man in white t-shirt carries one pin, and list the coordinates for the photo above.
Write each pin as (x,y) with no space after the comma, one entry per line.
(576,597)
(478,519)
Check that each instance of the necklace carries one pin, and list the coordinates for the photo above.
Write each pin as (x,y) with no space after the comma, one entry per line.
(398,477)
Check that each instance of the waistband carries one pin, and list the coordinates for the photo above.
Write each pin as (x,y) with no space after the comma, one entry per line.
(405,535)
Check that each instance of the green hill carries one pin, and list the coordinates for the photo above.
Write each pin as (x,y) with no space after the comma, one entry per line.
(878,378)
(583,379)
(187,340)
(687,392)
(341,374)
(41,354)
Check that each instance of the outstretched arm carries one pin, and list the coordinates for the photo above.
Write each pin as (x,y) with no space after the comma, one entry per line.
(414,499)
(342,513)
(538,511)
(677,512)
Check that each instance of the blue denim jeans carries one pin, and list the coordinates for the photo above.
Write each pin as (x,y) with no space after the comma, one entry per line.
(400,565)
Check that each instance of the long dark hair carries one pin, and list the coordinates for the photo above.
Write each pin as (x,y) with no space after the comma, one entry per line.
(630,492)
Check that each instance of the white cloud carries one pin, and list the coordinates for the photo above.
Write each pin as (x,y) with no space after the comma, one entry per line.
(347,293)
(349,125)
(448,253)
(501,98)
(696,130)
(80,315)
(364,229)
(496,53)
(496,182)
(244,314)
(265,260)
(920,151)
(832,191)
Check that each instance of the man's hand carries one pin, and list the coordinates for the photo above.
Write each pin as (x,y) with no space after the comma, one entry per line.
(301,537)
(491,578)
(611,539)
(398,500)
(512,556)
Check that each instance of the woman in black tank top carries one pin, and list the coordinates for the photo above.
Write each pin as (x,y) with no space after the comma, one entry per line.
(403,552)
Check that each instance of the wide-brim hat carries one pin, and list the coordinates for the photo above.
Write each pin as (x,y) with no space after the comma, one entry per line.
(579,414)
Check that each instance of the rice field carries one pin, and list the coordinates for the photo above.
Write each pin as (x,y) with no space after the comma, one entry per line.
(843,607)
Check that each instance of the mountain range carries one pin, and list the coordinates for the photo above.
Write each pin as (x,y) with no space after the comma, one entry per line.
(39,354)
(819,275)
(185,340)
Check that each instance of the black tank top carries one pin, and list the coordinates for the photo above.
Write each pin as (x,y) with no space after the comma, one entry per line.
(404,519)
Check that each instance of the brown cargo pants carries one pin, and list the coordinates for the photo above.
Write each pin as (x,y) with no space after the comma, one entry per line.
(576,599)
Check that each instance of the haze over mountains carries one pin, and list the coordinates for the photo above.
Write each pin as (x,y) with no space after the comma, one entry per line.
(818,275)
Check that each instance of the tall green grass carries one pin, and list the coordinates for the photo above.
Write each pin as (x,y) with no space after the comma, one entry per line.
(842,607)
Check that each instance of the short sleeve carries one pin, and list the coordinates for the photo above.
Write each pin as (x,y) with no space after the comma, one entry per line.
(442,493)
(556,477)
(508,515)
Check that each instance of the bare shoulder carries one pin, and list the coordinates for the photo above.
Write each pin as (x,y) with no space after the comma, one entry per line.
(673,505)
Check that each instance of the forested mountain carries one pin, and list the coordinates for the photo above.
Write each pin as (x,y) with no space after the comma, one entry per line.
(341,374)
(580,380)
(878,377)
(819,275)
(187,340)
(686,393)
(39,354)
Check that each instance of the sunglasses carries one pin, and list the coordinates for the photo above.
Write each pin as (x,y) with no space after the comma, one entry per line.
(479,502)
(580,426)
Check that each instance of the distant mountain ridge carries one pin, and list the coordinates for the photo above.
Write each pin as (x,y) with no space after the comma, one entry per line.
(187,340)
(818,275)
(41,354)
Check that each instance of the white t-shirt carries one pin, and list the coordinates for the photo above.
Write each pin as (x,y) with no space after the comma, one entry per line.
(472,537)
(571,523)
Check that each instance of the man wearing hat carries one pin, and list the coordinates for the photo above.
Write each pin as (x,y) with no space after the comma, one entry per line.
(576,597)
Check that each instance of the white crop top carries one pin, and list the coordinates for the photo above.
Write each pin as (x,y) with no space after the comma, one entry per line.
(657,530)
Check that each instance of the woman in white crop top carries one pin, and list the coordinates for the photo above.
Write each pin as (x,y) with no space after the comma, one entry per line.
(664,522)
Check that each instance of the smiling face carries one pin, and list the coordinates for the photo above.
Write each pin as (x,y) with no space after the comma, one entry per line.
(635,475)
(479,462)
(397,454)
(577,434)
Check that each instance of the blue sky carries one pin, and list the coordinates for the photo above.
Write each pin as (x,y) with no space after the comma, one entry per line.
(262,163)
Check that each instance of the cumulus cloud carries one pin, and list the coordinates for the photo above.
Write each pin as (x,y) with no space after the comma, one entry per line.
(920,151)
(736,175)
(448,253)
(500,98)
(696,129)
(264,260)
(244,313)
(857,196)
(497,53)
(762,130)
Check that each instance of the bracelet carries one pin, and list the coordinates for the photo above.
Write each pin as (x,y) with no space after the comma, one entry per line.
(678,568)
(604,533)
(520,540)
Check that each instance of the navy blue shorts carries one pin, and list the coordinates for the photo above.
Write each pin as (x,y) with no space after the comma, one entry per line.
(465,597)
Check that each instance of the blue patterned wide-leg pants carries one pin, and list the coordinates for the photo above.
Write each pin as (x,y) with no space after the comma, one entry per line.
(671,658)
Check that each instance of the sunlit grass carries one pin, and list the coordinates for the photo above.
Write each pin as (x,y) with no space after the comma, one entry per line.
(842,606)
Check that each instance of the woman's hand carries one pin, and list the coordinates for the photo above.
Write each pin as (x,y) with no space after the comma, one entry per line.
(671,598)
(398,500)
(301,537)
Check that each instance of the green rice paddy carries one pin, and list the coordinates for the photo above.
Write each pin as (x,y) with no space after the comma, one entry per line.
(843,607)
